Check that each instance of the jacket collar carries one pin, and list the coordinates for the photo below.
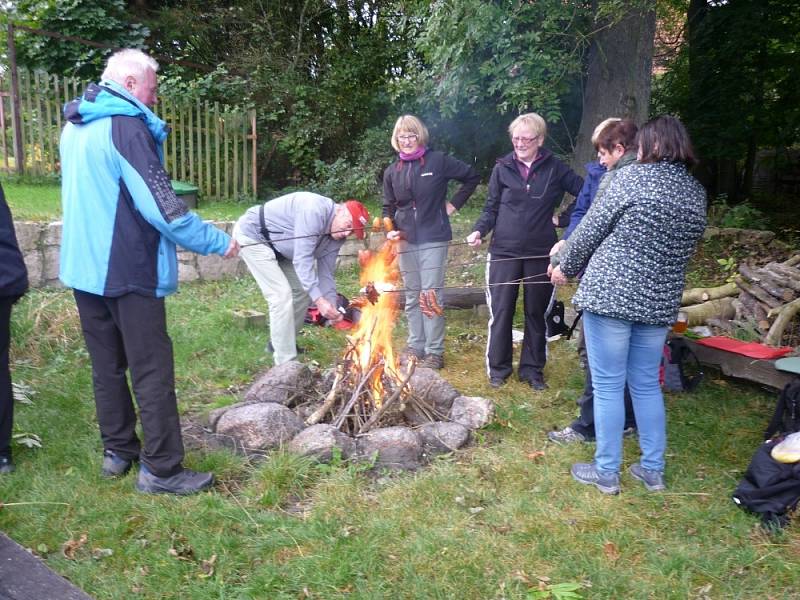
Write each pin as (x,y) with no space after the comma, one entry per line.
(509,161)
(625,160)
(110,99)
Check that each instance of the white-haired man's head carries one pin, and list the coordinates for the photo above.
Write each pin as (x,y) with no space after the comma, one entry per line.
(136,72)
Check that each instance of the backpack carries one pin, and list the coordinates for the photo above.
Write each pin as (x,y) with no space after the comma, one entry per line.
(769,488)
(786,418)
(680,370)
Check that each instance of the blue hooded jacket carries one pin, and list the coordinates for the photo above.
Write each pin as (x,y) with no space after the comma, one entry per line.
(121,218)
(594,173)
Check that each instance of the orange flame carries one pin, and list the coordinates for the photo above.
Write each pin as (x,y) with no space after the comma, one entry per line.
(372,338)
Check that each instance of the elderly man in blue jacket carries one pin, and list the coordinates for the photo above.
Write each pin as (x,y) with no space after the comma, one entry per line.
(121,224)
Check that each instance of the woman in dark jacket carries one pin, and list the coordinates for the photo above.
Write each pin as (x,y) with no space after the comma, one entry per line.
(415,198)
(525,188)
(635,243)
(13,284)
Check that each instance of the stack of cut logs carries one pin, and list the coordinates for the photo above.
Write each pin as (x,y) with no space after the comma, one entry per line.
(763,300)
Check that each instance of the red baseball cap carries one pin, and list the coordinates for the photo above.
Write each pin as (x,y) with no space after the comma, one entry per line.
(360,217)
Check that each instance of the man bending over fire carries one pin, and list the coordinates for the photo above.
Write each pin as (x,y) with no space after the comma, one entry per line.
(290,245)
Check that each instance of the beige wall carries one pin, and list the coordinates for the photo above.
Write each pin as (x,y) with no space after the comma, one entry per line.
(40,244)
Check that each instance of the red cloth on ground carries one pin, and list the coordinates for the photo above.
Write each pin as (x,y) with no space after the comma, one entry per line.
(751,349)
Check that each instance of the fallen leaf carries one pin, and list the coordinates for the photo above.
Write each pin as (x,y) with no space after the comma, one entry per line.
(180,548)
(207,566)
(522,576)
(535,455)
(70,547)
(611,551)
(98,553)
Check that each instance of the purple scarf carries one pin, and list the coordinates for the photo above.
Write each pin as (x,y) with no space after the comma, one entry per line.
(417,154)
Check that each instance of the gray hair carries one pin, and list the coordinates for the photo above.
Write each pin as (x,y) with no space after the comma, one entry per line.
(128,63)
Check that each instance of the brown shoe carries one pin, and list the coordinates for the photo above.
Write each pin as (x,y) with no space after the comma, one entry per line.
(432,361)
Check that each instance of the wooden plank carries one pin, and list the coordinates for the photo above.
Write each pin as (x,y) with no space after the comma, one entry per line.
(173,142)
(183,142)
(741,367)
(207,112)
(235,170)
(225,128)
(23,576)
(217,191)
(49,101)
(37,159)
(26,76)
(254,148)
(59,109)
(244,156)
(198,140)
(190,141)
(3,126)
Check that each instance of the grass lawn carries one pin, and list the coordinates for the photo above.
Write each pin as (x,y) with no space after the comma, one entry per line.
(501,519)
(41,201)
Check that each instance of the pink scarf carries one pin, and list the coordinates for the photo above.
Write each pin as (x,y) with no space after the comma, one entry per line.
(417,154)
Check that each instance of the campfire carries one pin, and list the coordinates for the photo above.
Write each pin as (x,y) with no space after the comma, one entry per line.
(370,406)
(369,387)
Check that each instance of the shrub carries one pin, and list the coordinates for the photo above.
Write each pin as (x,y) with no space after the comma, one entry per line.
(742,215)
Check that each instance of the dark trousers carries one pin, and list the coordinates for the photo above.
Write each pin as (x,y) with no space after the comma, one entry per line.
(6,392)
(502,300)
(584,424)
(130,333)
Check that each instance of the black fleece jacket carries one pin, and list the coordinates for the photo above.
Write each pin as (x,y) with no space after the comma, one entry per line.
(520,211)
(415,195)
(13,274)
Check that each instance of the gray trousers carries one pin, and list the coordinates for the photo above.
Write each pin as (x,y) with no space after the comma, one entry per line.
(285,296)
(422,267)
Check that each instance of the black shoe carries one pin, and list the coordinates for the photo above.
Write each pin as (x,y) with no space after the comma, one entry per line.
(113,465)
(537,383)
(496,382)
(184,483)
(6,465)
(298,350)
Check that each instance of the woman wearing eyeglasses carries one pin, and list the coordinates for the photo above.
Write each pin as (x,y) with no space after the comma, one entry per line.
(525,188)
(415,198)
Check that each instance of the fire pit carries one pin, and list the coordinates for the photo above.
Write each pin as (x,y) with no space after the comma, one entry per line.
(369,406)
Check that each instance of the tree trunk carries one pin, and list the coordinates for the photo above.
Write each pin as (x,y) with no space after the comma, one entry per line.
(618,77)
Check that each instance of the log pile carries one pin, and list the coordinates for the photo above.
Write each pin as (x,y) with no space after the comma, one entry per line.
(763,301)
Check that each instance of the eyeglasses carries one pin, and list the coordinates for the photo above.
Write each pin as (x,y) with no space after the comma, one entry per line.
(523,141)
(407,138)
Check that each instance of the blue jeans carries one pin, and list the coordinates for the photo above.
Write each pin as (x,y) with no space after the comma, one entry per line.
(621,351)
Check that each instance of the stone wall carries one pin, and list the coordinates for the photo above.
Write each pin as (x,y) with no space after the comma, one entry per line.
(41,242)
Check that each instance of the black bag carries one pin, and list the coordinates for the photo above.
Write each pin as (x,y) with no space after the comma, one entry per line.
(769,489)
(786,418)
(680,369)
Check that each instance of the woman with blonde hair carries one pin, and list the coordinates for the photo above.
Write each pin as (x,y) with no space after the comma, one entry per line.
(415,198)
(525,188)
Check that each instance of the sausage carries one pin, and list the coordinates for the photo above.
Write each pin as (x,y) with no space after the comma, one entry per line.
(364,256)
(388,225)
(423,305)
(376,224)
(433,304)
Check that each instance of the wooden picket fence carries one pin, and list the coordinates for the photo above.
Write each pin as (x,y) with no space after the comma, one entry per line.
(210,145)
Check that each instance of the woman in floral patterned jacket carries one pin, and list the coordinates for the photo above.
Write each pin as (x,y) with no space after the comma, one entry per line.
(635,243)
